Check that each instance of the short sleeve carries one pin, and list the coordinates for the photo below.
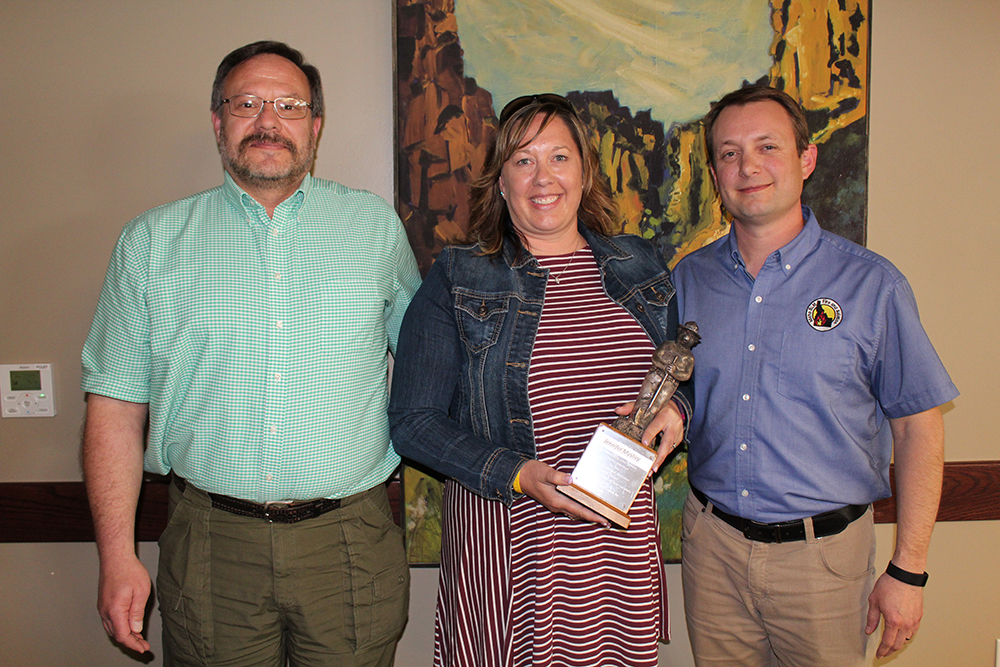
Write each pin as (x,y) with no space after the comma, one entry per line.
(116,355)
(908,376)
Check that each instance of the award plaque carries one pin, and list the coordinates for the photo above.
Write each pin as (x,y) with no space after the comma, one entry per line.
(610,473)
(615,463)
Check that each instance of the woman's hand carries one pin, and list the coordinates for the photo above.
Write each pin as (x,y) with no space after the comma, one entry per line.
(539,480)
(668,422)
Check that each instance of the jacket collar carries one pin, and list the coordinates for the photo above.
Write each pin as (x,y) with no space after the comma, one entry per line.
(604,248)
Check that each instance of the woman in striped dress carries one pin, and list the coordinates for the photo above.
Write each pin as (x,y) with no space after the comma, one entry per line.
(514,350)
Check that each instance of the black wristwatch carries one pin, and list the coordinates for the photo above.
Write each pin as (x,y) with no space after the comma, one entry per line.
(911,578)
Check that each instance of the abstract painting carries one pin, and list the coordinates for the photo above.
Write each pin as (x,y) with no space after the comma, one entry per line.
(642,74)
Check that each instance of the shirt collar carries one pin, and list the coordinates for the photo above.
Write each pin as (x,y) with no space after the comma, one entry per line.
(249,206)
(793,252)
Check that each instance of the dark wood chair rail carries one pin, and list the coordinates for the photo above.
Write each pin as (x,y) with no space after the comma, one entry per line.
(58,511)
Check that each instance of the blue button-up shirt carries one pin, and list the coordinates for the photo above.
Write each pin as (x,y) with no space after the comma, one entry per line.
(797,371)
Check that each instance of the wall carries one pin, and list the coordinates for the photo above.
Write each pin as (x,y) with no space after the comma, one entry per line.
(935,211)
(106,116)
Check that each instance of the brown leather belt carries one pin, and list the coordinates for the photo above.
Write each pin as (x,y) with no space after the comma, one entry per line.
(274,512)
(824,525)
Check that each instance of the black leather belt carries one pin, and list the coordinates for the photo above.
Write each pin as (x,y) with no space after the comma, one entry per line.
(274,512)
(824,525)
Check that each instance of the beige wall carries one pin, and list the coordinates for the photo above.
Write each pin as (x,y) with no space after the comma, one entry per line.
(84,149)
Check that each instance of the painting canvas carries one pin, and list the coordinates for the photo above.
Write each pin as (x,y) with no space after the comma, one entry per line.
(641,74)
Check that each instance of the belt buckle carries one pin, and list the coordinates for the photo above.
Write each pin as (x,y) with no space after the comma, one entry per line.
(273,505)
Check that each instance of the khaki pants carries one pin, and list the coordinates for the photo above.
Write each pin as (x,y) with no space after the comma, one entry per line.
(332,590)
(795,604)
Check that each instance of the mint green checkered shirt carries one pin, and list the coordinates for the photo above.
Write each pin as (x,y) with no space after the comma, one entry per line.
(259,344)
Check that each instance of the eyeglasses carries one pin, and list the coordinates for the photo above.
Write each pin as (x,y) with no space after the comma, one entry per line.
(250,106)
(519,103)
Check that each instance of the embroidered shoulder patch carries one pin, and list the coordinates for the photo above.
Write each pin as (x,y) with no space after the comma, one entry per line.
(824,314)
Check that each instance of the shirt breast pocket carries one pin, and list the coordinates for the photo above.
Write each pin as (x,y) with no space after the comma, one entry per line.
(346,314)
(480,317)
(812,368)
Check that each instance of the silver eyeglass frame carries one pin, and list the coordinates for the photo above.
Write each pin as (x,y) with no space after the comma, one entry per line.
(277,110)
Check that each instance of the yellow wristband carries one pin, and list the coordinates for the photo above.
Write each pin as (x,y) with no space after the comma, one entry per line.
(517,483)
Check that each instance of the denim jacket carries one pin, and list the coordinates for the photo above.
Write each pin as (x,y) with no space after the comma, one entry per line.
(459,402)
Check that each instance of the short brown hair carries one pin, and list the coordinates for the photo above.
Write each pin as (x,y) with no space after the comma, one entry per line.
(489,218)
(255,49)
(750,94)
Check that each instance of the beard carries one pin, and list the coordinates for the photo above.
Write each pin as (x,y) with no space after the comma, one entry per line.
(264,175)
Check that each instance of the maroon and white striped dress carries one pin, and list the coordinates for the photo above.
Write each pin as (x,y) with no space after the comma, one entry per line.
(524,587)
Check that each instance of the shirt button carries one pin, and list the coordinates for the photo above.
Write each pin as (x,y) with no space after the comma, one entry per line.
(268,477)
(275,231)
(277,276)
(788,267)
(746,397)
(280,324)
(743,446)
(751,347)
(277,376)
(745,493)
(273,430)
(759,299)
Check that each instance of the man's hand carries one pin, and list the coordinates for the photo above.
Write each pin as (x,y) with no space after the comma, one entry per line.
(668,423)
(902,606)
(539,480)
(121,601)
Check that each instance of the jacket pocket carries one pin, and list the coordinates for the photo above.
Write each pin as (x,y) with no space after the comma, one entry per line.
(652,300)
(480,318)
(658,293)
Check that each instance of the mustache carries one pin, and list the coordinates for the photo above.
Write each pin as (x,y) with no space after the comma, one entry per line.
(268,138)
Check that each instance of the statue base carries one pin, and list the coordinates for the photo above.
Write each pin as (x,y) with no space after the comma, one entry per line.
(610,473)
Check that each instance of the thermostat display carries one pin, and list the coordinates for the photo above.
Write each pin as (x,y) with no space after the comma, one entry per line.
(26,390)
(25,380)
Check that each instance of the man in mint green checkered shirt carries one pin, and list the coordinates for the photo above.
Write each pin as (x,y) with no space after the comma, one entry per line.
(250,324)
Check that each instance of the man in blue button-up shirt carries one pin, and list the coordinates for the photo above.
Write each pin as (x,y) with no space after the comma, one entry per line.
(812,372)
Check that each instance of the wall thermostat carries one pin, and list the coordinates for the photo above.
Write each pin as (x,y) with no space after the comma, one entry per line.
(26,390)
